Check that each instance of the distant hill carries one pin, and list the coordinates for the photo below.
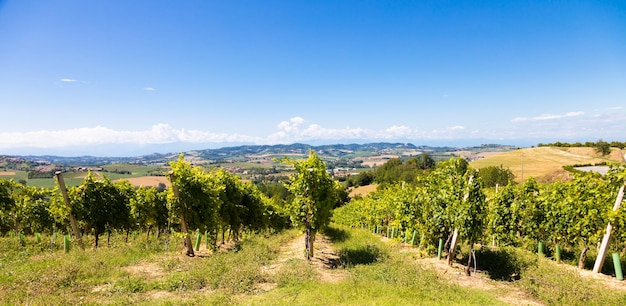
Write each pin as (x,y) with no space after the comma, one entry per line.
(226,153)
(545,163)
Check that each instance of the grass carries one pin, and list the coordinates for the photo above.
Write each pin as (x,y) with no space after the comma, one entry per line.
(537,162)
(377,276)
(154,273)
(363,190)
(563,285)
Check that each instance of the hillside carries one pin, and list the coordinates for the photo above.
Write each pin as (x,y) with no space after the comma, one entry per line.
(545,163)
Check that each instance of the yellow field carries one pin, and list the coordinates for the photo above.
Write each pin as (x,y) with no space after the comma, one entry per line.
(544,163)
(7,173)
(363,190)
(147,181)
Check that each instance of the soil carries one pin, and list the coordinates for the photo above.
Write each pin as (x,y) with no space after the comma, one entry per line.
(324,260)
(503,291)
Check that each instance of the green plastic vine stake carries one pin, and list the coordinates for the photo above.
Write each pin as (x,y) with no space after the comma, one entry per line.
(440,248)
(198,240)
(388,231)
(413,238)
(540,248)
(618,267)
(66,243)
(558,253)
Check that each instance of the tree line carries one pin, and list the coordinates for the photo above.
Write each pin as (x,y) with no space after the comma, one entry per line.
(398,170)
(600,146)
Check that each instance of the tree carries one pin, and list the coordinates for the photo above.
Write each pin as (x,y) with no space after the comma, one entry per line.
(315,195)
(496,175)
(603,147)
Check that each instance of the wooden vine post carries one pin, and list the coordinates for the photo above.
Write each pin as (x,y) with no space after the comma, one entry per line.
(607,235)
(187,246)
(69,205)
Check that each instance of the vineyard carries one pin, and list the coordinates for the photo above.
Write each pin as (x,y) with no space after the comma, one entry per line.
(449,202)
(212,238)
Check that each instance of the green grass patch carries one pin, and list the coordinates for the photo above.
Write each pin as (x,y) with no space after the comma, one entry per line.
(151,272)
(377,275)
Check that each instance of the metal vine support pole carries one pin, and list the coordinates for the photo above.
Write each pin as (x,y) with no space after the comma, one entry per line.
(69,205)
(188,247)
(607,235)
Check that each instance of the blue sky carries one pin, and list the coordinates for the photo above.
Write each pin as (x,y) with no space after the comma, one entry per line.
(124,77)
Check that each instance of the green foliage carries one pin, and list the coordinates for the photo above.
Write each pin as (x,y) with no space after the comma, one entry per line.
(7,204)
(314,192)
(362,179)
(199,196)
(242,205)
(600,144)
(496,175)
(149,208)
(396,170)
(603,147)
(102,205)
(433,206)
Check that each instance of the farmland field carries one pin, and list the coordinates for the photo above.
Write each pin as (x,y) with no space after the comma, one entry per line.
(542,162)
(148,181)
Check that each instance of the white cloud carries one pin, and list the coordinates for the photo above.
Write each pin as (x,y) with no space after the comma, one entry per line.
(149,89)
(66,80)
(289,131)
(158,134)
(547,117)
(609,125)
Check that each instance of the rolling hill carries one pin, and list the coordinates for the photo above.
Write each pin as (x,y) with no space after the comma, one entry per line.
(545,163)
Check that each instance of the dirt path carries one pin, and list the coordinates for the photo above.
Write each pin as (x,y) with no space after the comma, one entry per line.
(503,291)
(324,259)
(455,274)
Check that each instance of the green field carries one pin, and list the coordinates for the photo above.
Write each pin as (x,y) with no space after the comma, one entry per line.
(76,178)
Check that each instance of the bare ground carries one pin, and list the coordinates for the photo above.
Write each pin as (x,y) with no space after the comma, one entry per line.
(503,291)
(324,259)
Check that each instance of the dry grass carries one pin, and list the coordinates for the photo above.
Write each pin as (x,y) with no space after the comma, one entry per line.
(540,163)
(615,155)
(147,181)
(7,173)
(363,190)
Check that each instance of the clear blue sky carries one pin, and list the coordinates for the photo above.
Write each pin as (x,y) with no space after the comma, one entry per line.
(119,77)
